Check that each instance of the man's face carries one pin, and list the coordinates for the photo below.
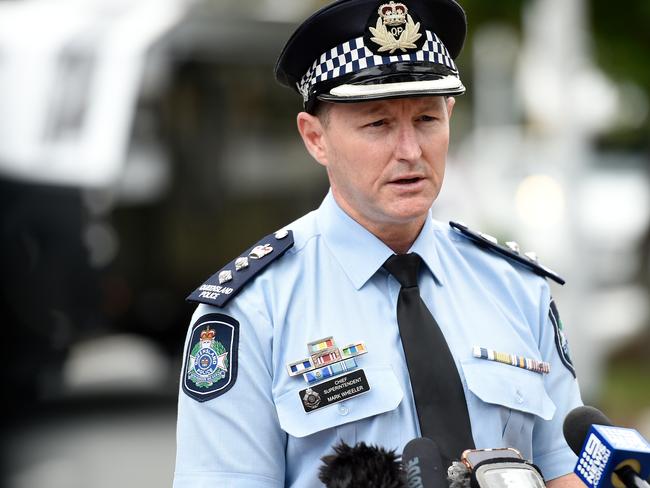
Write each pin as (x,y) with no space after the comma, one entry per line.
(385,159)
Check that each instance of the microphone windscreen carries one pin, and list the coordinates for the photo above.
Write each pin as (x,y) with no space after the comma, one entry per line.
(361,466)
(577,424)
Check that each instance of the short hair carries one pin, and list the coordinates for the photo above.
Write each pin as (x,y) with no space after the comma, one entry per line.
(322,111)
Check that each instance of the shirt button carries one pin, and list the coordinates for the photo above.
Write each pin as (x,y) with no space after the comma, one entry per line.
(343,409)
(519,398)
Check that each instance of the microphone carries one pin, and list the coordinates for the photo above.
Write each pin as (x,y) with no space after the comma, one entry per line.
(361,466)
(422,464)
(608,456)
(494,468)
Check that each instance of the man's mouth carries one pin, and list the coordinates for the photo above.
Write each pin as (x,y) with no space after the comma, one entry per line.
(406,181)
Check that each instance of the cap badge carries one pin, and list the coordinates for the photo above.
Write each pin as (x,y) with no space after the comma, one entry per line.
(395,28)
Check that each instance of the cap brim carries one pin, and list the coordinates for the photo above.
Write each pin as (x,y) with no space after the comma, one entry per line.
(446,85)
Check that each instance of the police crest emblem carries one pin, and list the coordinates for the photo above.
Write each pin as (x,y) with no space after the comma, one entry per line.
(394,30)
(561,342)
(210,367)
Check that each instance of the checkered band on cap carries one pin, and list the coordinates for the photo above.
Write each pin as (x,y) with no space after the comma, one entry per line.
(353,56)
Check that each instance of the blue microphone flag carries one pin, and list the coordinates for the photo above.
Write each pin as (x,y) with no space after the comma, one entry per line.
(607,448)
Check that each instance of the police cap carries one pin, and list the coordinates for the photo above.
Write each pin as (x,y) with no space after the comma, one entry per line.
(356,50)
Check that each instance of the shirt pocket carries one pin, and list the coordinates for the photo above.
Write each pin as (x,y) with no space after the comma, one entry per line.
(507,398)
(385,395)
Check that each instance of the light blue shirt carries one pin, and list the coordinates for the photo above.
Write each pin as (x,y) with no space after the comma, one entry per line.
(330,283)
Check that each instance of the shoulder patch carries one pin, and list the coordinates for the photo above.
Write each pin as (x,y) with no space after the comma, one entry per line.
(210,361)
(231,279)
(509,251)
(561,342)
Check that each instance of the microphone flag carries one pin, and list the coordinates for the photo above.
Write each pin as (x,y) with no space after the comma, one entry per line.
(607,449)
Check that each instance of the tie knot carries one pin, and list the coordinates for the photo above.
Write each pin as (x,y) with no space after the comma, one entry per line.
(404,267)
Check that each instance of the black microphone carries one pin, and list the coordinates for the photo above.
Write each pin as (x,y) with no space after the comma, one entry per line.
(608,456)
(361,466)
(422,464)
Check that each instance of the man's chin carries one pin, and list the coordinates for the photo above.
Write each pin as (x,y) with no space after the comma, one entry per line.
(406,209)
(408,216)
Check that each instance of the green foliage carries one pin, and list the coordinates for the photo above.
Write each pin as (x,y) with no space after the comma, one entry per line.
(621,42)
(620,30)
(625,393)
(480,11)
(622,39)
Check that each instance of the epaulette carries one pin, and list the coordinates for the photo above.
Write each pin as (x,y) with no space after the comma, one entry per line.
(222,286)
(510,251)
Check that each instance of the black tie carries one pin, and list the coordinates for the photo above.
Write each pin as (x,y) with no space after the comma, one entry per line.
(437,389)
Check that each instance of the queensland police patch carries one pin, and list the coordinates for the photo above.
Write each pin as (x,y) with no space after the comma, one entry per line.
(561,342)
(210,367)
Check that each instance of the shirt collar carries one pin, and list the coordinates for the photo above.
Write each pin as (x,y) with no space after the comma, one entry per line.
(427,247)
(359,252)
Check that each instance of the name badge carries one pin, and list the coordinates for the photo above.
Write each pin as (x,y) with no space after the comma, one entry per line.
(333,391)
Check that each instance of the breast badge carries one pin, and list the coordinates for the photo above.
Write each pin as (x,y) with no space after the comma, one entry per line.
(336,365)
(211,358)
(541,367)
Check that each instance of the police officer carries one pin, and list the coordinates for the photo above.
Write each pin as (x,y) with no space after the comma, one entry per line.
(367,320)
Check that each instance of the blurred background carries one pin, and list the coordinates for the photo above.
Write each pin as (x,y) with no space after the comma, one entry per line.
(144,143)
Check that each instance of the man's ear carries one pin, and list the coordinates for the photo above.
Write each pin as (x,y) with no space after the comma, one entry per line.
(313,136)
(451,101)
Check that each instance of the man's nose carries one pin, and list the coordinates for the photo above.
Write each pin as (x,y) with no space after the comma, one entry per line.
(408,146)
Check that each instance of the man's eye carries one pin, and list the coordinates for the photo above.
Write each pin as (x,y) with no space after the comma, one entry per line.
(377,123)
(427,118)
